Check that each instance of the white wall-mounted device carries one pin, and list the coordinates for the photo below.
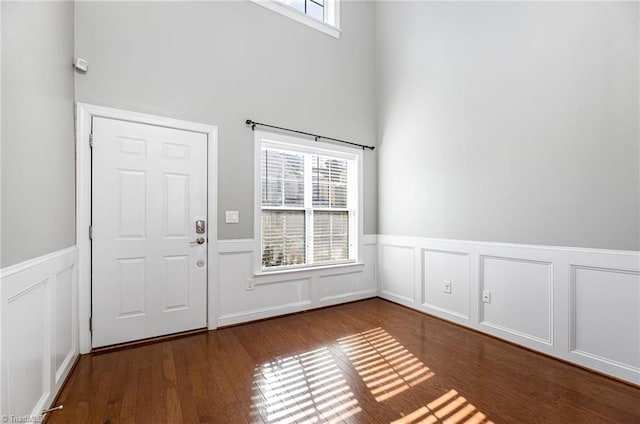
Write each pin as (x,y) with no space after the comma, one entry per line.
(80,64)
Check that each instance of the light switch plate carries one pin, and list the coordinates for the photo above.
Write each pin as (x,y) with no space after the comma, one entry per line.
(232,217)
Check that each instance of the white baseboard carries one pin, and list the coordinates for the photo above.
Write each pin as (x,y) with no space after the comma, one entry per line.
(41,295)
(257,314)
(579,305)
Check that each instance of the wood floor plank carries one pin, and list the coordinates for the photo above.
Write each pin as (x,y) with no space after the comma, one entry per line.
(104,370)
(130,390)
(118,387)
(364,362)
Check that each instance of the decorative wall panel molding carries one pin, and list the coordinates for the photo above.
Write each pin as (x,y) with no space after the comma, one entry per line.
(38,331)
(247,296)
(605,316)
(437,267)
(579,305)
(521,293)
(398,282)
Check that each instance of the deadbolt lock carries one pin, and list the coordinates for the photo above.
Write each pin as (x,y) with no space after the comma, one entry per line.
(200,227)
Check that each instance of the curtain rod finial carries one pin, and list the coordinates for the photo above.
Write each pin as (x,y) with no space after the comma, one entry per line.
(248,122)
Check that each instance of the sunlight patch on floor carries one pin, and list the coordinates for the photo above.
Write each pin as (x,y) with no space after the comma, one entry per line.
(306,388)
(386,367)
(450,408)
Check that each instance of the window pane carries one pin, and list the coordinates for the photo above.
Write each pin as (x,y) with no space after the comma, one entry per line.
(297,4)
(282,178)
(283,239)
(329,176)
(339,196)
(315,10)
(321,194)
(338,170)
(330,236)
(294,192)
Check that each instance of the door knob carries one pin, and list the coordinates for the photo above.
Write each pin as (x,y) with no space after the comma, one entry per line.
(199,240)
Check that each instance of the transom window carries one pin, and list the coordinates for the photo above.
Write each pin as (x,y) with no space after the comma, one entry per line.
(308,204)
(323,15)
(313,8)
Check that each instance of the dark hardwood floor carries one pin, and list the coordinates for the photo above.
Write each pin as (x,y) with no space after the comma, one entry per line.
(364,362)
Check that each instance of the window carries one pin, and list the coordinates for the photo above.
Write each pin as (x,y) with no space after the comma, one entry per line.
(308,203)
(323,15)
(313,8)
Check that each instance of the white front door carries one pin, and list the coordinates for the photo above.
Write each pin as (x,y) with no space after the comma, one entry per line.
(149,188)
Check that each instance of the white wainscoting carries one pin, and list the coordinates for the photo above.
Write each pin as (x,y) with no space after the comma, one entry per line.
(281,293)
(38,331)
(439,266)
(579,305)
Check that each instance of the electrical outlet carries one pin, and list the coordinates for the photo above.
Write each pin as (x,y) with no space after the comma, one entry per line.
(486,296)
(251,284)
(446,286)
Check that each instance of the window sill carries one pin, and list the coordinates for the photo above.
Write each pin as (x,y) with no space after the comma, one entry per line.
(298,16)
(296,272)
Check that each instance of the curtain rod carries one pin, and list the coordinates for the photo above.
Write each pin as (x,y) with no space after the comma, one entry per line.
(315,136)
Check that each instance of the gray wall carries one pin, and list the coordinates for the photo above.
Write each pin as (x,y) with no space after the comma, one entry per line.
(510,122)
(37,130)
(223,62)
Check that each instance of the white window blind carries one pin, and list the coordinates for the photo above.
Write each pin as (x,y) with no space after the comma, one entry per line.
(308,208)
(282,178)
(330,236)
(330,216)
(283,215)
(283,238)
(329,182)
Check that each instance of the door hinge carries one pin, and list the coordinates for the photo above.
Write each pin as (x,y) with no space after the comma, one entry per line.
(90,324)
(91,140)
(90,232)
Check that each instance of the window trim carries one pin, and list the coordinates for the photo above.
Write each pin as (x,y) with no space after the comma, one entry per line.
(332,11)
(306,146)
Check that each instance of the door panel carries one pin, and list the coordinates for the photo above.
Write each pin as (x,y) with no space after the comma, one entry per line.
(149,186)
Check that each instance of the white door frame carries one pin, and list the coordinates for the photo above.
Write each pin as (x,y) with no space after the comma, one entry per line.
(84,114)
